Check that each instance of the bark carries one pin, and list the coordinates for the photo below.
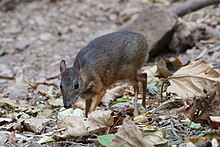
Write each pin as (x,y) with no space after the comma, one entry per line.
(183,8)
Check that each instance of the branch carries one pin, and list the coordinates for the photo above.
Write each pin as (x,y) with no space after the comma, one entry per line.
(181,9)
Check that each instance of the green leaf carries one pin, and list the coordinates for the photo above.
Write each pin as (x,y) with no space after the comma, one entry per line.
(2,51)
(123,100)
(45,139)
(120,100)
(106,140)
(190,123)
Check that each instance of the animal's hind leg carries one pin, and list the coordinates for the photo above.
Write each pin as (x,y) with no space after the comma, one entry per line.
(136,90)
(142,77)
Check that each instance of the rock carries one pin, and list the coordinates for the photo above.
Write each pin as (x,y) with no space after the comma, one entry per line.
(156,24)
(113,17)
(6,71)
(188,34)
(36,124)
(13,30)
(22,44)
(45,36)
(17,91)
(42,88)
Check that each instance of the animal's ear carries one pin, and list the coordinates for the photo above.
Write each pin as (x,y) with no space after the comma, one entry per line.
(62,66)
(77,65)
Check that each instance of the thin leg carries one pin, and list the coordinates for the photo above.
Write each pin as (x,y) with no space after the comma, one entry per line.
(96,101)
(136,90)
(142,77)
(88,105)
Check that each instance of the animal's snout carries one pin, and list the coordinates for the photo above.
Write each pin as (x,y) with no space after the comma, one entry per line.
(67,105)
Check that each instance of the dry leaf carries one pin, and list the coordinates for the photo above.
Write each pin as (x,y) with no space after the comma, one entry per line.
(75,126)
(214,122)
(99,119)
(69,112)
(150,71)
(8,103)
(112,94)
(154,137)
(129,136)
(97,122)
(36,124)
(190,80)
(208,104)
(3,138)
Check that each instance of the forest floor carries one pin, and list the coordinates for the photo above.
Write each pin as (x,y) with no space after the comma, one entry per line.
(38,34)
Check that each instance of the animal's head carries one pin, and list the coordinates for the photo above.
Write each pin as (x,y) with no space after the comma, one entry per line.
(70,85)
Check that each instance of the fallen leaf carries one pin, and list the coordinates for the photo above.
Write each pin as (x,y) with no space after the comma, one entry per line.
(78,112)
(8,103)
(129,135)
(45,139)
(98,121)
(112,94)
(3,138)
(190,123)
(163,69)
(75,127)
(120,100)
(206,104)
(151,71)
(190,80)
(214,121)
(5,120)
(141,118)
(11,140)
(47,113)
(36,124)
(106,140)
(56,102)
(69,112)
(154,137)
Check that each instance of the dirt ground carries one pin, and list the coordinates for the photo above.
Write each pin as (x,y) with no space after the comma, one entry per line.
(38,34)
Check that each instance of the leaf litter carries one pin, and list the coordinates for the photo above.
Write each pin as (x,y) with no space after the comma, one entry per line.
(20,115)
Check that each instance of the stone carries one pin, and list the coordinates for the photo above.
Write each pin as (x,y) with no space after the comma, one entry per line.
(156,24)
(45,36)
(6,71)
(22,44)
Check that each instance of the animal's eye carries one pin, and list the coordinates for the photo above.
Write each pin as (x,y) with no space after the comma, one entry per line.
(61,87)
(76,85)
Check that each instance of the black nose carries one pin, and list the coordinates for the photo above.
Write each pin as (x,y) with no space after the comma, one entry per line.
(67,105)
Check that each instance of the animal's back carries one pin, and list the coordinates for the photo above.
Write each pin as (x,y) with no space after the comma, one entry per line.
(115,56)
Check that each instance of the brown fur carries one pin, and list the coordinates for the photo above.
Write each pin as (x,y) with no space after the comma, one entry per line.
(104,61)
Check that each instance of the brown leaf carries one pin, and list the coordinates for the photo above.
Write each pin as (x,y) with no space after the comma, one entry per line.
(8,103)
(190,80)
(200,108)
(98,121)
(112,94)
(36,124)
(129,136)
(214,121)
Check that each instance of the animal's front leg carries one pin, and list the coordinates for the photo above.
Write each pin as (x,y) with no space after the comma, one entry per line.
(96,101)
